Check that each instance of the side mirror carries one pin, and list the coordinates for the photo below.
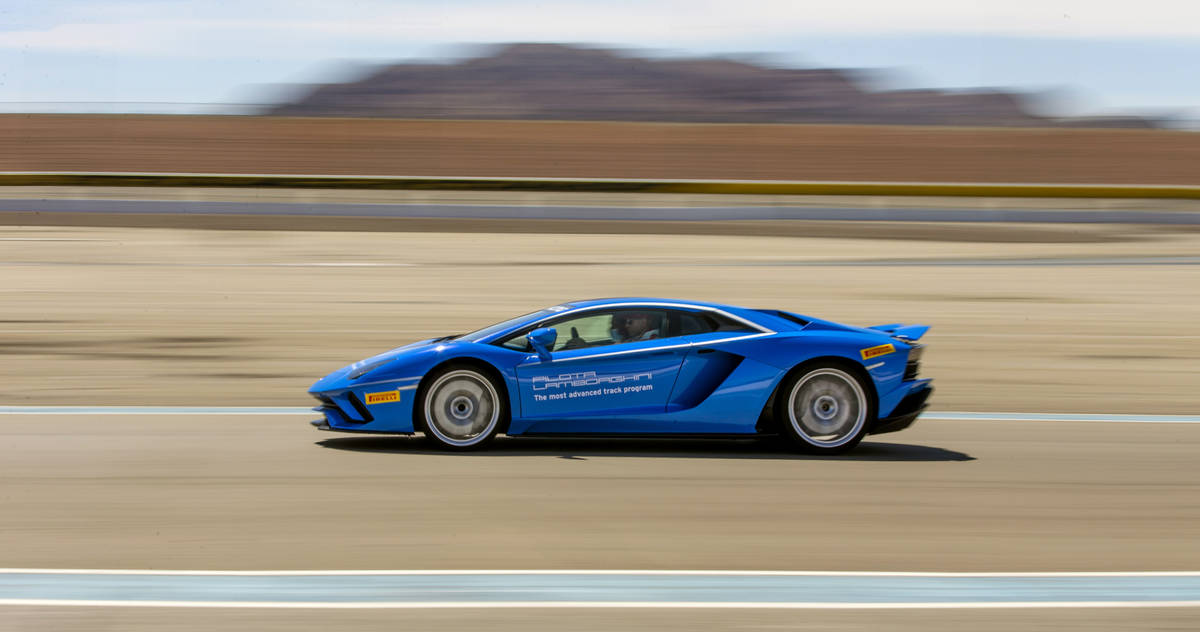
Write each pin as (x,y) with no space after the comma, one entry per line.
(542,340)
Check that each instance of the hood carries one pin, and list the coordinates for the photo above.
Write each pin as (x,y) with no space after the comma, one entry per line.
(362,367)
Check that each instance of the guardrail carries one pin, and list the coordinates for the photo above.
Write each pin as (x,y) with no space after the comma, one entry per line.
(599,185)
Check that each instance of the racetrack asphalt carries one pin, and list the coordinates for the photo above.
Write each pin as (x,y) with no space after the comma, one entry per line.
(601,213)
(268,492)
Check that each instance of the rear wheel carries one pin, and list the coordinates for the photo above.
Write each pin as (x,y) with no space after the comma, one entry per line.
(825,409)
(462,409)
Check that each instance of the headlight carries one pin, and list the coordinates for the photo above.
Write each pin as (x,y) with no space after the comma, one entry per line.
(367,368)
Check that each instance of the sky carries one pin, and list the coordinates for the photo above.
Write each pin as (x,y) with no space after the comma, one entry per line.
(1086,56)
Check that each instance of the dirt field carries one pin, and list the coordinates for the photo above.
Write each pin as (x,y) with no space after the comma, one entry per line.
(582,149)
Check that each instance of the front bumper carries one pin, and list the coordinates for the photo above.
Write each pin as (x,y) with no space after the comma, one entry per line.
(352,409)
(905,413)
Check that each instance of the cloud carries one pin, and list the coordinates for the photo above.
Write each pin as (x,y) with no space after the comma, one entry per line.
(86,38)
(271,28)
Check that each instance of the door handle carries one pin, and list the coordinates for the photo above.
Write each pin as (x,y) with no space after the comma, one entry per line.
(706,350)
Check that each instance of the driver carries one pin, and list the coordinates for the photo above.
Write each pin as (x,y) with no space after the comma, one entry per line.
(637,327)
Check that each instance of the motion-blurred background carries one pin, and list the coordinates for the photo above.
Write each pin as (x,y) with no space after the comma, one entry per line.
(136,295)
(1090,95)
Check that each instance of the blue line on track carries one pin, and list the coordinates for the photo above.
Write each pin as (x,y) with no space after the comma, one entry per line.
(593,587)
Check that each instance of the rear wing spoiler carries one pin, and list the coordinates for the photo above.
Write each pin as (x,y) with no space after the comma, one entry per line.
(900,330)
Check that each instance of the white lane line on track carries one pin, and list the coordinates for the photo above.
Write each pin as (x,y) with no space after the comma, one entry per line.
(288,410)
(52,239)
(749,605)
(971,416)
(154,410)
(330,264)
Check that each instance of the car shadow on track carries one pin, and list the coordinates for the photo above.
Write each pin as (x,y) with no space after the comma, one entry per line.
(580,448)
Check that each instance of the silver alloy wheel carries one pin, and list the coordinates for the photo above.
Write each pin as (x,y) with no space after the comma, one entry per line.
(827,408)
(462,408)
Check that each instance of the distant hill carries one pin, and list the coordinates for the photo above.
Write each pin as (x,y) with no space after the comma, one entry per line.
(558,82)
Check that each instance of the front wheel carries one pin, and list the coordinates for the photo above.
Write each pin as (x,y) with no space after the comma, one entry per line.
(462,409)
(825,410)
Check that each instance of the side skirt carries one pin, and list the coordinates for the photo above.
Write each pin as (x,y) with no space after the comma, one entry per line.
(646,435)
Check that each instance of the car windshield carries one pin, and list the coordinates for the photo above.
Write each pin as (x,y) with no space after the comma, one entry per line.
(476,336)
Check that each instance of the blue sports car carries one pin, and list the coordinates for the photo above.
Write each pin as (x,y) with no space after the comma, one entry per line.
(639,366)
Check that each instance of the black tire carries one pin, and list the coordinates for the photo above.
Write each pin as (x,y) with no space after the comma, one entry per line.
(461,408)
(825,409)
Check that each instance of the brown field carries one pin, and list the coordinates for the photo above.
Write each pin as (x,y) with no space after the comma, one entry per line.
(594,149)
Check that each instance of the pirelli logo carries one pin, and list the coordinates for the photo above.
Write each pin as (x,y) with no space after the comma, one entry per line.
(875,352)
(383,398)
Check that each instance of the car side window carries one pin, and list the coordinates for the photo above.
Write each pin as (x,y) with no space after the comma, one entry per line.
(724,323)
(592,329)
(516,342)
(618,326)
(694,323)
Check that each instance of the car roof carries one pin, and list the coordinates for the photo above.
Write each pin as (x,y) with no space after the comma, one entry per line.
(600,302)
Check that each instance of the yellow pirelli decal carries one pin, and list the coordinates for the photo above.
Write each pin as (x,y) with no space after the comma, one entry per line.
(383,398)
(875,352)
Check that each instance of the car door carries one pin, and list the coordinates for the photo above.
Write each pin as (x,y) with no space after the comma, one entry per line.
(589,374)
